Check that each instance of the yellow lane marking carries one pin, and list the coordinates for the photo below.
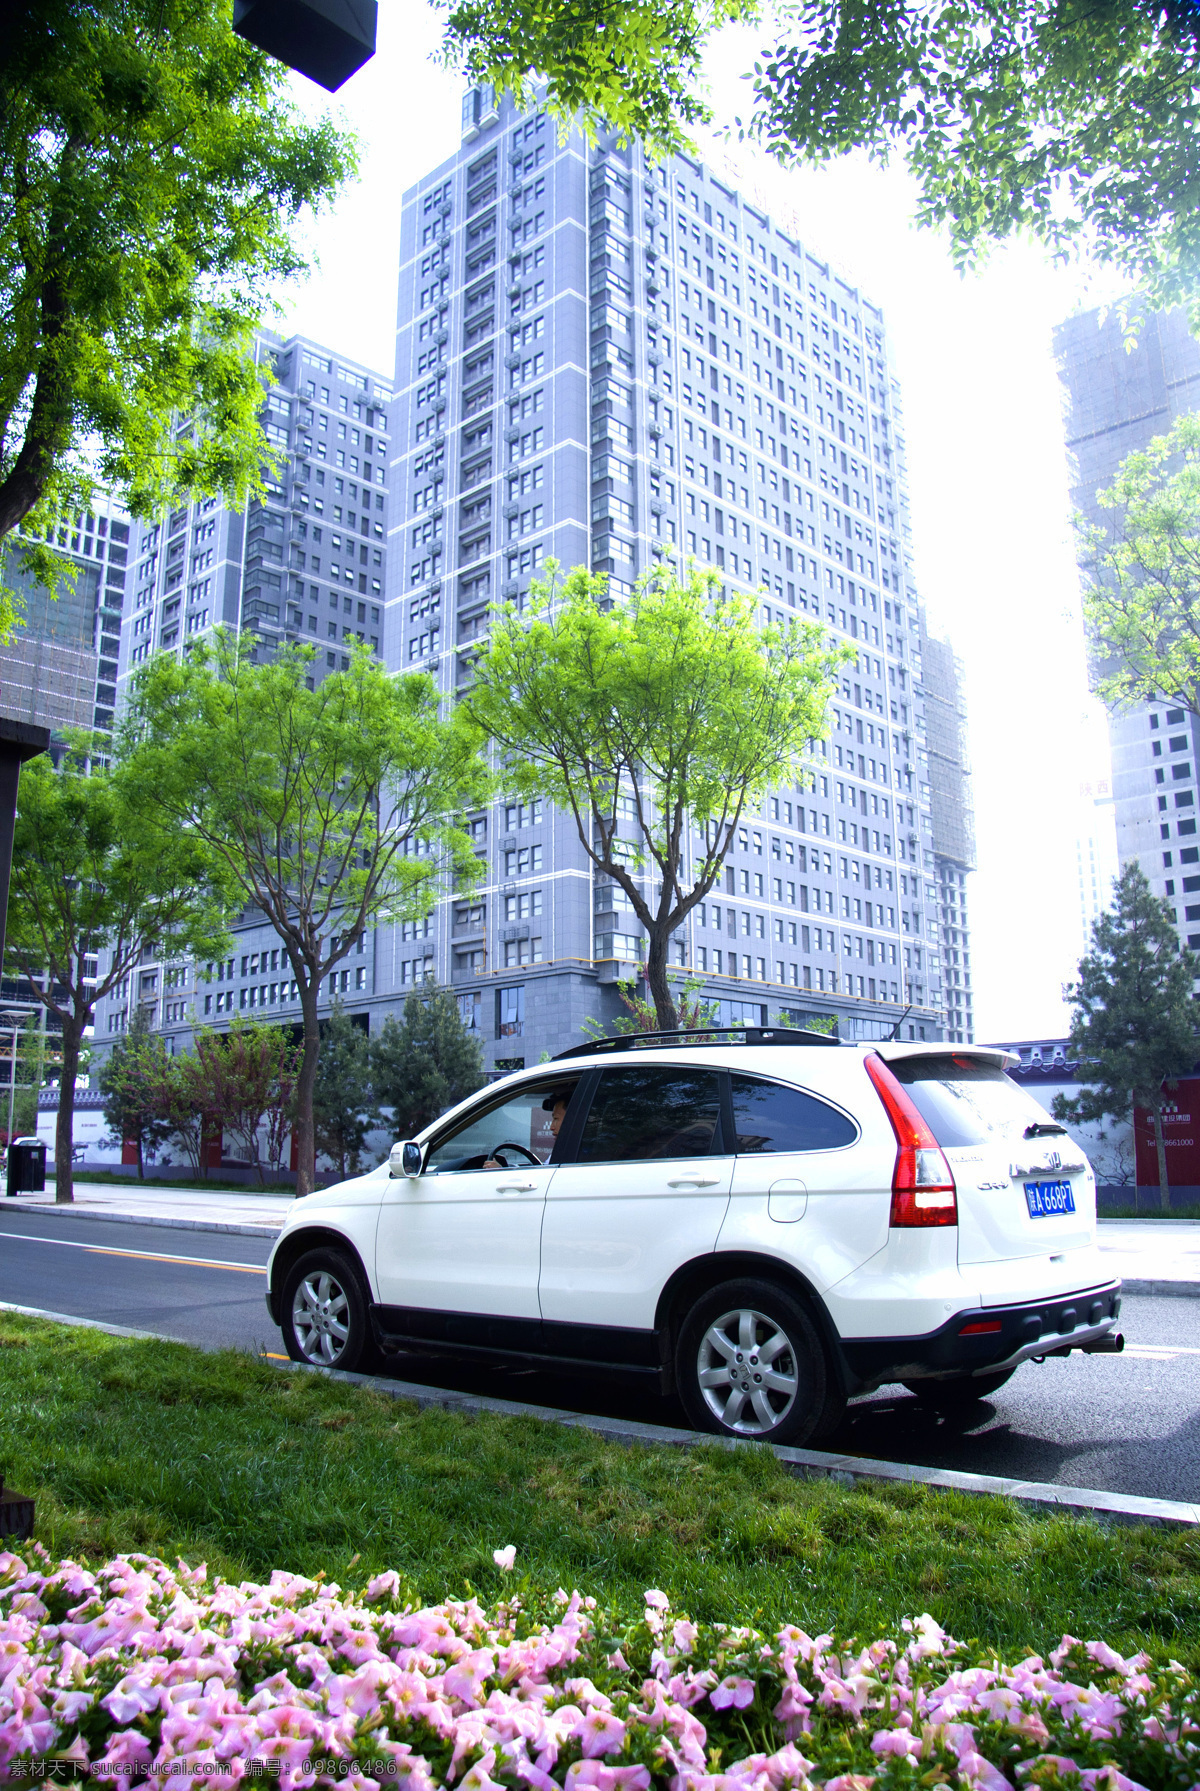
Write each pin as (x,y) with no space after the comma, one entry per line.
(196,1262)
(272,1356)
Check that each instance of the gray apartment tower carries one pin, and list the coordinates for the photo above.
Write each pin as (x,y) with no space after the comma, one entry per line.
(1117,400)
(60,668)
(306,563)
(606,362)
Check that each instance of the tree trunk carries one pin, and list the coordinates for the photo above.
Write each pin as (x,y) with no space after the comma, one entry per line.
(1164,1186)
(64,1132)
(656,981)
(141,1158)
(306,1082)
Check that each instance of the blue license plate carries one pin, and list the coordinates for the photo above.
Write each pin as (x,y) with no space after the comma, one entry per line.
(1045,1198)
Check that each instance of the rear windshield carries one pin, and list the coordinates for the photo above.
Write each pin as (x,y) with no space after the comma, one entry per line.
(964,1101)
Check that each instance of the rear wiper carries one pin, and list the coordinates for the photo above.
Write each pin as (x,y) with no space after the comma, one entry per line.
(1040,1130)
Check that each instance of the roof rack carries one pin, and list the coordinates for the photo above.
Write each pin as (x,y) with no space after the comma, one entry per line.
(701,1035)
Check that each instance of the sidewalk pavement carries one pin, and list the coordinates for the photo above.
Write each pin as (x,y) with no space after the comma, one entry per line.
(1152,1256)
(176,1208)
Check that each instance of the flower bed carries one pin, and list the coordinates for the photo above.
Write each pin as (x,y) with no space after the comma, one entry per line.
(140,1673)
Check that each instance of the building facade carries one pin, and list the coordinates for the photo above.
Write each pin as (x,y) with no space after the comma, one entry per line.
(304,564)
(602,361)
(944,765)
(605,362)
(1117,400)
(60,668)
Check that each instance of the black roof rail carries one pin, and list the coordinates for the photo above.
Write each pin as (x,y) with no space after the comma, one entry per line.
(701,1035)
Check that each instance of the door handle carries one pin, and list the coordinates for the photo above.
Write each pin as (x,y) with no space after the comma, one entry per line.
(694,1181)
(515,1187)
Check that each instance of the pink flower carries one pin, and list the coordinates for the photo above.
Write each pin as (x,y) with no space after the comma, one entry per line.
(127,1747)
(384,1585)
(901,1742)
(657,1600)
(598,1777)
(600,1733)
(732,1691)
(505,1558)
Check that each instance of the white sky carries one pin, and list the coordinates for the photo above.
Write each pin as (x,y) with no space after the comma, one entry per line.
(987,472)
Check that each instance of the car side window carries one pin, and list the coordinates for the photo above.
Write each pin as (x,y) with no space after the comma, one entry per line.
(768,1117)
(652,1111)
(527,1122)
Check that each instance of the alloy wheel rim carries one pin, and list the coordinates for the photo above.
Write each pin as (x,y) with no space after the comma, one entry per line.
(321,1317)
(747,1372)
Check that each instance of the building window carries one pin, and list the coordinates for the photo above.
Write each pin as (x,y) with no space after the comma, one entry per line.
(510,1012)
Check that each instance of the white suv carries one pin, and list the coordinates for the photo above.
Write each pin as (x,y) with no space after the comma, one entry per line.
(764,1221)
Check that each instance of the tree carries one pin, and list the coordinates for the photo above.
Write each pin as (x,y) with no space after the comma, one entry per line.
(1134,1024)
(1074,124)
(656,724)
(344,1095)
(640,1016)
(633,65)
(242,1080)
(331,810)
(426,1061)
(151,172)
(131,1080)
(94,875)
(1142,606)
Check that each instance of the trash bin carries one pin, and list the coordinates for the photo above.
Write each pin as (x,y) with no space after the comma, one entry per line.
(26,1166)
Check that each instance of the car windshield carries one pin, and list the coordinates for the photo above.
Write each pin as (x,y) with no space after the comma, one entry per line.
(965,1101)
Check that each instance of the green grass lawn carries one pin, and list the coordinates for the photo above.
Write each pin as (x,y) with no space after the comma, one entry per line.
(118,1179)
(1147,1212)
(162,1448)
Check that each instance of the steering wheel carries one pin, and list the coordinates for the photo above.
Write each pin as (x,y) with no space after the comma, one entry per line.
(528,1154)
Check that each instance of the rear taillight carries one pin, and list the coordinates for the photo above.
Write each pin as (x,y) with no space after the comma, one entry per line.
(922,1183)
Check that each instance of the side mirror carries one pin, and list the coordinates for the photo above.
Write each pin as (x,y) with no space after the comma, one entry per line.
(405,1159)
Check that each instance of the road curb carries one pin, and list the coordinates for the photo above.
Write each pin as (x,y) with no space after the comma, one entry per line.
(1178,1289)
(803,1464)
(90,1324)
(228,1227)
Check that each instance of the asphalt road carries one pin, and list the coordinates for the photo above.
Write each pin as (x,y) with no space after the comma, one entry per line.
(1128,1424)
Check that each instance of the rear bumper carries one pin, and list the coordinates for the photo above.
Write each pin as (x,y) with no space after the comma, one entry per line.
(1034,1328)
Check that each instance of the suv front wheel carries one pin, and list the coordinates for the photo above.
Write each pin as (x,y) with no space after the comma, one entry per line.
(749,1364)
(324,1312)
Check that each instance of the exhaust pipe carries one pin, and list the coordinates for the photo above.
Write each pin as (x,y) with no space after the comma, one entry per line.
(1112,1345)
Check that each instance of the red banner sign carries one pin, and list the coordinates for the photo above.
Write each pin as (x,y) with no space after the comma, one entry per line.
(1181,1136)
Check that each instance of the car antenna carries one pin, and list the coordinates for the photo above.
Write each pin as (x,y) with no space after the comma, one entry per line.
(894,1034)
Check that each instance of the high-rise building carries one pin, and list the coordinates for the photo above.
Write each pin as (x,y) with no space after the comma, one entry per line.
(306,563)
(60,667)
(945,767)
(1117,399)
(609,362)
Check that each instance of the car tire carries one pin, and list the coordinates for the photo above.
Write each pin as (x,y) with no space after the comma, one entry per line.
(963,1390)
(749,1363)
(324,1312)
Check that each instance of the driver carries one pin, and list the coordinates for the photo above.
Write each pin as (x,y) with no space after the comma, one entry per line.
(556,1106)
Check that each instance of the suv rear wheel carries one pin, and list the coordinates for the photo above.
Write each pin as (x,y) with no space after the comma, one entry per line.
(324,1312)
(749,1364)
